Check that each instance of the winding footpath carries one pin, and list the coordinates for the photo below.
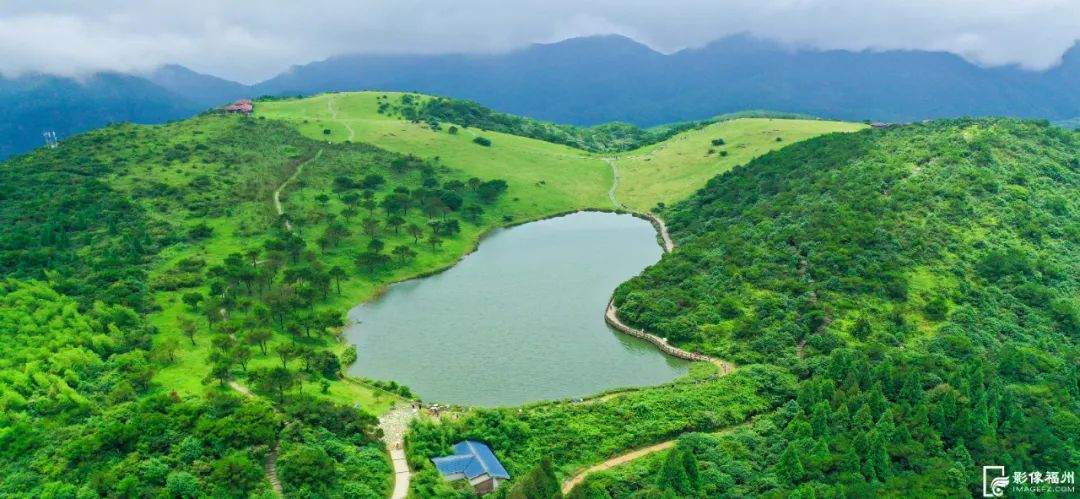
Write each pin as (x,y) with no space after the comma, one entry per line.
(613,462)
(393,425)
(614,183)
(333,116)
(661,227)
(271,457)
(576,480)
(611,314)
(277,193)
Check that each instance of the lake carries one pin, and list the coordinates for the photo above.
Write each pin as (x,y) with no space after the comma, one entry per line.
(519,320)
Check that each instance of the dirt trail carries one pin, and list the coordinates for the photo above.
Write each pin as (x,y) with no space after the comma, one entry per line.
(580,476)
(271,458)
(393,425)
(613,462)
(614,183)
(661,227)
(271,470)
(333,116)
(277,193)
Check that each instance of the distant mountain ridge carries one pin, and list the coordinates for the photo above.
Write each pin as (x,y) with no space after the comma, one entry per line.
(33,104)
(610,78)
(581,81)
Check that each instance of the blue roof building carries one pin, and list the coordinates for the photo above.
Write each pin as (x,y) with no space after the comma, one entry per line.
(473,461)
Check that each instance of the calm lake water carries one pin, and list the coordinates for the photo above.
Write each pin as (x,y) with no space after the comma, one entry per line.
(519,320)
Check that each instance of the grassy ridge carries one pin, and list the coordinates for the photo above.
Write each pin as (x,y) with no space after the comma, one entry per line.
(547,177)
(672,170)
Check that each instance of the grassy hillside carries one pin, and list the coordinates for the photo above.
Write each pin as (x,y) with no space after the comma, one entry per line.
(152,260)
(919,279)
(546,178)
(552,176)
(102,383)
(670,171)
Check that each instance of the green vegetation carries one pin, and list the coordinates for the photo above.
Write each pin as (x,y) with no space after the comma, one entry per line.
(543,178)
(151,288)
(545,173)
(168,239)
(610,137)
(670,171)
(917,278)
(574,435)
(74,423)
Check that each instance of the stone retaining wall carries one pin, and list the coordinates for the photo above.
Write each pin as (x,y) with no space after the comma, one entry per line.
(613,320)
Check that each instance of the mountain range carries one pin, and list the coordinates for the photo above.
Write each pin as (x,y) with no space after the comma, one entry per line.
(582,81)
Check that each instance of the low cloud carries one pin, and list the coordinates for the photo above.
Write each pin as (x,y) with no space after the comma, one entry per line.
(252,40)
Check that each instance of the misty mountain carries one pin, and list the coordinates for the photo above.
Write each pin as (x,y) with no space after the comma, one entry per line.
(203,90)
(598,79)
(33,104)
(581,81)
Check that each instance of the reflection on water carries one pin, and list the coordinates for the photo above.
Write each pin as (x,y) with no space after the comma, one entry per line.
(519,320)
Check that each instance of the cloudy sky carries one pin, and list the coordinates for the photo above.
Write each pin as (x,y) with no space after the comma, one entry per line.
(253,40)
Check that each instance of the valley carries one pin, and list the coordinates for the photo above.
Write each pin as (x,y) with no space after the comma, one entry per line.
(879,289)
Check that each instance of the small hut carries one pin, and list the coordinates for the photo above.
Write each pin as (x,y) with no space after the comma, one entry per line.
(473,461)
(240,106)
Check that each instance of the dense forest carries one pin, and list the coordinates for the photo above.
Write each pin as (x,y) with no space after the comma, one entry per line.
(150,287)
(920,279)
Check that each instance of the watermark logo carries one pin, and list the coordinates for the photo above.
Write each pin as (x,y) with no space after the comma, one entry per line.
(995,480)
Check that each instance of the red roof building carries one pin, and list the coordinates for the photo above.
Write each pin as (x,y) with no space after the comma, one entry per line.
(239,106)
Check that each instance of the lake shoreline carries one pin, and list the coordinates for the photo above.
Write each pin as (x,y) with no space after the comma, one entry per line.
(564,266)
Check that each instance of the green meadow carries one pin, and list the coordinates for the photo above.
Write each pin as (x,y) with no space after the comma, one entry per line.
(672,170)
(544,178)
(551,178)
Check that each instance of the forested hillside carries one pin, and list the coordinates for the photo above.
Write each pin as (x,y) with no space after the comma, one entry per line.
(150,287)
(899,303)
(921,279)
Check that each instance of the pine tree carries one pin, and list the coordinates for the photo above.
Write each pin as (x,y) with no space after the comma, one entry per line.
(539,483)
(868,471)
(879,456)
(841,418)
(863,420)
(673,475)
(877,401)
(885,425)
(690,463)
(860,444)
(850,462)
(819,421)
(790,469)
(912,390)
(808,395)
(862,328)
(980,417)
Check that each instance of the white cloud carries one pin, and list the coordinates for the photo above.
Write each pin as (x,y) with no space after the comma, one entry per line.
(255,39)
